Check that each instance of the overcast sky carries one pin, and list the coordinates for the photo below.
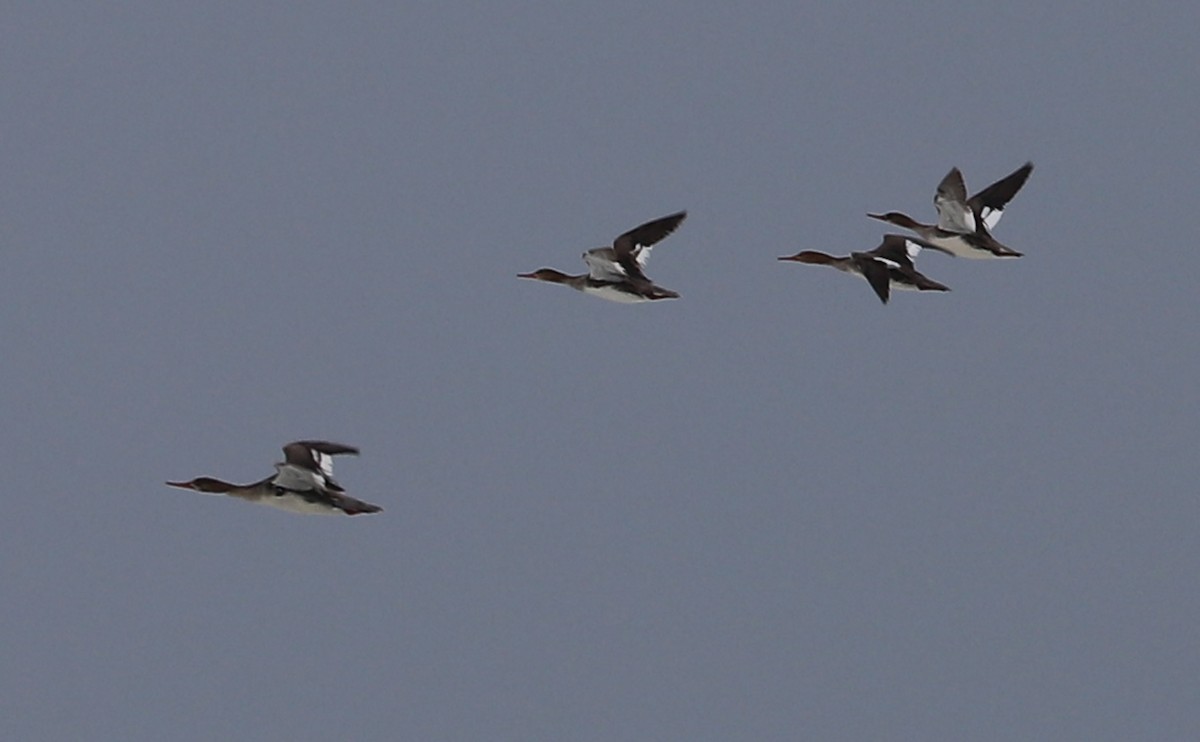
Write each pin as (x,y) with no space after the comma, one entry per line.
(773,509)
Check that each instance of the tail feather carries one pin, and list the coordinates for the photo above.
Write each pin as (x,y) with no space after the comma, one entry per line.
(352,506)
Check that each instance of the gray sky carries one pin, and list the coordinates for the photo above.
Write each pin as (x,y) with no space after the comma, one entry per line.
(771,509)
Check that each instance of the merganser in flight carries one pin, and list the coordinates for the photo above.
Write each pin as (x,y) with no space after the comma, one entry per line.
(303,483)
(616,273)
(886,267)
(963,224)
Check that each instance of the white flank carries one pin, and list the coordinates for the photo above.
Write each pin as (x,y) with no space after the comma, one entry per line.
(958,247)
(612,294)
(296,504)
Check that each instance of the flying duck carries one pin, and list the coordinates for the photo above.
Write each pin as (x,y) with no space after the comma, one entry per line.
(616,273)
(886,267)
(303,483)
(963,223)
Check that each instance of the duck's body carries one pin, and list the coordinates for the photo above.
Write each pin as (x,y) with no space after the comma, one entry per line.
(303,483)
(975,245)
(964,224)
(889,266)
(624,291)
(616,273)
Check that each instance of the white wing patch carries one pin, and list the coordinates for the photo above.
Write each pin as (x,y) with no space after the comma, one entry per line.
(953,216)
(324,462)
(641,253)
(885,261)
(912,248)
(294,478)
(990,217)
(602,266)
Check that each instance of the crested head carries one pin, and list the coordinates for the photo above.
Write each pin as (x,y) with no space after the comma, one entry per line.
(895,217)
(546,274)
(810,256)
(204,484)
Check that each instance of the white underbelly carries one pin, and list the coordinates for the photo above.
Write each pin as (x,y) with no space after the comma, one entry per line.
(296,504)
(960,248)
(612,294)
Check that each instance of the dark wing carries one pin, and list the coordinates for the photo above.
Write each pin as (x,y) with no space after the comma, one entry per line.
(317,456)
(304,453)
(923,282)
(633,248)
(879,275)
(897,250)
(988,205)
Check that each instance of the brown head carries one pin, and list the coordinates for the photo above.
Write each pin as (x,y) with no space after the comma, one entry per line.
(895,217)
(205,484)
(546,274)
(811,256)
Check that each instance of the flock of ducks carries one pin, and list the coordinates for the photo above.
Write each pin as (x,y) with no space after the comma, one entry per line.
(303,482)
(963,230)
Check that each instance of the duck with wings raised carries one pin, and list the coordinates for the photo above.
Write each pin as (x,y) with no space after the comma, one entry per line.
(617,273)
(303,483)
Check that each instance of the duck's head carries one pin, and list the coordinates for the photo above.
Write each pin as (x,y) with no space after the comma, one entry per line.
(810,256)
(546,274)
(204,484)
(895,217)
